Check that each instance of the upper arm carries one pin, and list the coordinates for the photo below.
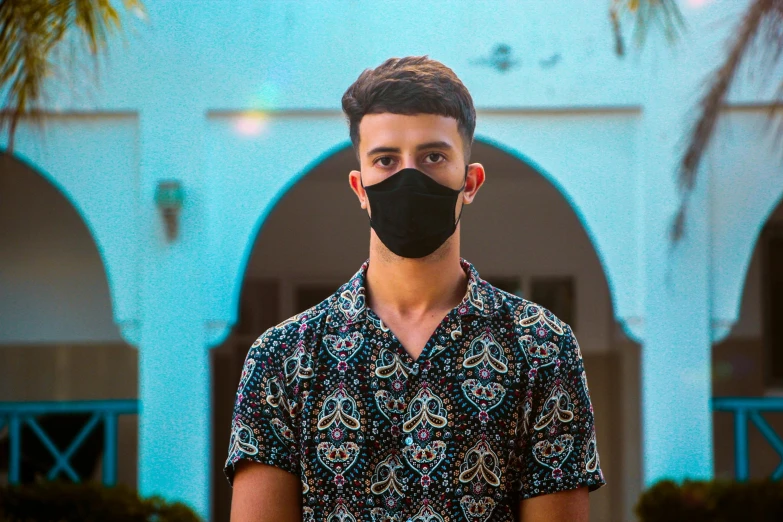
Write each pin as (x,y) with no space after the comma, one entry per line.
(265,424)
(558,456)
(264,493)
(564,506)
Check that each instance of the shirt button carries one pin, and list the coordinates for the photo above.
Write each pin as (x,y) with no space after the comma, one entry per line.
(415,369)
(408,440)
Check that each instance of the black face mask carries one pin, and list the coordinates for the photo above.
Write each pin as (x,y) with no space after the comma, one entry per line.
(413,214)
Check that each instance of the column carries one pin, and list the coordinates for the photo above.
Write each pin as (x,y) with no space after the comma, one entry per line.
(174,364)
(676,380)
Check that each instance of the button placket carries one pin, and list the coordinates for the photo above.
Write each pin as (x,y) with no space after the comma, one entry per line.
(410,392)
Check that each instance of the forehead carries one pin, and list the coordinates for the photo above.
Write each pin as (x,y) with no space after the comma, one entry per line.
(403,130)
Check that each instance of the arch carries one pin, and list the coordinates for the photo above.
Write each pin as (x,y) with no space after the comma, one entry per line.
(73,202)
(339,147)
(222,330)
(563,191)
(296,218)
(30,165)
(744,245)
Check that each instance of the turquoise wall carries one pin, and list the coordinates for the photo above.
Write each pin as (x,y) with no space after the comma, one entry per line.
(606,130)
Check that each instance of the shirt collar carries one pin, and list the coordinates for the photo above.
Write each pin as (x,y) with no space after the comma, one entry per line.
(349,306)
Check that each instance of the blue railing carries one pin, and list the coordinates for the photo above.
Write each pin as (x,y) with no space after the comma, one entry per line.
(750,409)
(16,414)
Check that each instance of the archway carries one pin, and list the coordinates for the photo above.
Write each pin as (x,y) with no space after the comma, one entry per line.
(748,362)
(521,234)
(58,339)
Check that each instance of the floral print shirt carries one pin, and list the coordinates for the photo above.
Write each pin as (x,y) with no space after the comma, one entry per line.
(496,409)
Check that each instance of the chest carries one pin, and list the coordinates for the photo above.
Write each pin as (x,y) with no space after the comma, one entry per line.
(370,401)
(413,335)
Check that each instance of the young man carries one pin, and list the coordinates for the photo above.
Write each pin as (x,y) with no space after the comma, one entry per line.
(417,391)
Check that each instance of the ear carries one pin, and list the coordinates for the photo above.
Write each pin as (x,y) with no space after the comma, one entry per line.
(476,177)
(354,180)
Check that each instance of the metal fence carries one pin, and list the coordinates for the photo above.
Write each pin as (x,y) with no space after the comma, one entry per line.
(750,409)
(15,415)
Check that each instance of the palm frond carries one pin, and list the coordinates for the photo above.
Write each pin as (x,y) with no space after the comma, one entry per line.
(30,30)
(665,13)
(764,14)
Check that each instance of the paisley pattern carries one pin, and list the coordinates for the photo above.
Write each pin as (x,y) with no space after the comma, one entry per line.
(343,347)
(340,408)
(298,365)
(485,351)
(243,440)
(338,460)
(495,409)
(385,479)
(425,411)
(392,407)
(553,453)
(483,396)
(557,408)
(477,509)
(427,514)
(481,463)
(425,459)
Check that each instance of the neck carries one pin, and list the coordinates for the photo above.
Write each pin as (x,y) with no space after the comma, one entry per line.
(415,287)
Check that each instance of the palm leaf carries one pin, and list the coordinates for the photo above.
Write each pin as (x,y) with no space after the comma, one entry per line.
(645,13)
(762,16)
(30,31)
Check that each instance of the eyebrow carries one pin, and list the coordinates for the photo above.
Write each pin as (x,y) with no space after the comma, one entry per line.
(429,145)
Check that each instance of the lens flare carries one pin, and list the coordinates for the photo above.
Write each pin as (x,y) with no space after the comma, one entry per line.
(251,124)
(254,122)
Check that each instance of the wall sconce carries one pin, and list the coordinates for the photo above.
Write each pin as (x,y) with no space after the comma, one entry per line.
(169,197)
(501,58)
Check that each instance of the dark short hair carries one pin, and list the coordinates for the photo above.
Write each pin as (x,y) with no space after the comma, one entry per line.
(410,85)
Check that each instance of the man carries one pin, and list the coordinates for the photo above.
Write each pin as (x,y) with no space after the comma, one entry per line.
(417,391)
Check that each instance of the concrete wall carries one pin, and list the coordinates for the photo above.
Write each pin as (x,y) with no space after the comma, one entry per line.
(61,344)
(738,370)
(52,280)
(57,337)
(238,104)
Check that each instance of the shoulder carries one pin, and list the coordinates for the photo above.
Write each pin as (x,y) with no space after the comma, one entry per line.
(526,313)
(535,325)
(297,332)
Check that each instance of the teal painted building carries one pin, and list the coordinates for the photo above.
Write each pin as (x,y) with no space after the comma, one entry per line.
(240,106)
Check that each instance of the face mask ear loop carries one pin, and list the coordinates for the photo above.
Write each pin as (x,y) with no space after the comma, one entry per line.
(368,213)
(464,182)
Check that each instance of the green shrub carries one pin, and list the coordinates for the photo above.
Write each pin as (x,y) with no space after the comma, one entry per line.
(712,501)
(88,502)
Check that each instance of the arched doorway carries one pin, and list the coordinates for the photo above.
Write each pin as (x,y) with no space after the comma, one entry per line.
(520,233)
(58,339)
(749,361)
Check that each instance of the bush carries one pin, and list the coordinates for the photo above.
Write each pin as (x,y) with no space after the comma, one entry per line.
(712,501)
(88,502)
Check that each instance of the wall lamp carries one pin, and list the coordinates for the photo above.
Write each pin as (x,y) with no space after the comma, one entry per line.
(169,196)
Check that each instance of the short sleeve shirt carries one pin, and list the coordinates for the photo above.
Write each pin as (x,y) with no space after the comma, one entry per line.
(496,409)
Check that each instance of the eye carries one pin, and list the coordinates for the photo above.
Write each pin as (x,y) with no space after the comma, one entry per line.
(381,160)
(436,155)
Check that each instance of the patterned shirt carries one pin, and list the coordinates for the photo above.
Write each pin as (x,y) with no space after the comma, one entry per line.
(495,409)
